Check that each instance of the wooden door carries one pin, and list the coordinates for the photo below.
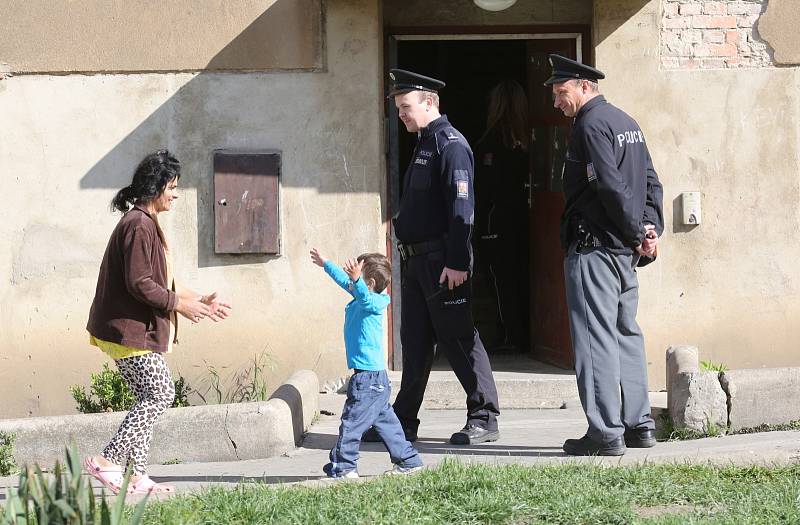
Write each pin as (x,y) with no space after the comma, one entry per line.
(550,130)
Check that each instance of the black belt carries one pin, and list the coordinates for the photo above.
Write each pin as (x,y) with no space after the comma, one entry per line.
(419,248)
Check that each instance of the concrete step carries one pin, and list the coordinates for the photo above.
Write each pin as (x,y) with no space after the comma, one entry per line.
(521,383)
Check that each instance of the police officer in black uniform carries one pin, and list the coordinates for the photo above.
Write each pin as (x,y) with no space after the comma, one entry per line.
(611,223)
(434,227)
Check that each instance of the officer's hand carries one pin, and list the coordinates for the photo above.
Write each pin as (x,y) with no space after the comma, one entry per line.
(453,277)
(317,257)
(648,246)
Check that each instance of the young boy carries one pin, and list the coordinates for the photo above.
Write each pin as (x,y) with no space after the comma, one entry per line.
(367,403)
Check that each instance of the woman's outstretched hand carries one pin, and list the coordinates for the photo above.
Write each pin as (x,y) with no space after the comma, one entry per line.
(218,309)
(192,308)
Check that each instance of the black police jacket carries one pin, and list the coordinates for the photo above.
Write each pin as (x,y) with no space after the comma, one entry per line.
(609,179)
(501,196)
(438,198)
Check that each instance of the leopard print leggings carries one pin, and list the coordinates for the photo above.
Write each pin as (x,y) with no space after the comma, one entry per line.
(150,380)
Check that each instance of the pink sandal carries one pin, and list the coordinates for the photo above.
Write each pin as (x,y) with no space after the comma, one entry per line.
(110,477)
(145,485)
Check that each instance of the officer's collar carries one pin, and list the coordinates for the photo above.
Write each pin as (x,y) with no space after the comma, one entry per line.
(434,126)
(596,101)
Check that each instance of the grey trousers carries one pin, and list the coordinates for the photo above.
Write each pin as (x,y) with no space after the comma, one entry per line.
(602,298)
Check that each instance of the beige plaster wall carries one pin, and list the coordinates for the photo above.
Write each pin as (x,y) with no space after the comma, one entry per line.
(76,140)
(180,35)
(464,13)
(729,285)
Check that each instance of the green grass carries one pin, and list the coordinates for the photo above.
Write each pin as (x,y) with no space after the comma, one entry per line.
(479,494)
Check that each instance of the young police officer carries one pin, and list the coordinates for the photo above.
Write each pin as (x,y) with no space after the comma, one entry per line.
(611,223)
(434,226)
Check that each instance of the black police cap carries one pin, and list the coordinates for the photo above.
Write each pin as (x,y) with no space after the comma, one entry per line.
(405,81)
(567,69)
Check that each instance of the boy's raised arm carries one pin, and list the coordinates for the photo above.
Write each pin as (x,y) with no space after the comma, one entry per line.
(336,273)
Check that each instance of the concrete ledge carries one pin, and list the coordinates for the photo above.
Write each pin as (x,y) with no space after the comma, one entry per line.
(762,396)
(199,433)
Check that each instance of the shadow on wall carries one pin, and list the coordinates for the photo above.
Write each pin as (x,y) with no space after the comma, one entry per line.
(610,15)
(275,107)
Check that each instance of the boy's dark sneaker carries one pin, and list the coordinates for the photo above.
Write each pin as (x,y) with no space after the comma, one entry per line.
(586,446)
(473,434)
(640,438)
(372,436)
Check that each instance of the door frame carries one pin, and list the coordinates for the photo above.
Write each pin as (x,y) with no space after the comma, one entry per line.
(392,36)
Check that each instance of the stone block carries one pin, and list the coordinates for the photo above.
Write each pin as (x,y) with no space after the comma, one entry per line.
(680,359)
(762,396)
(698,402)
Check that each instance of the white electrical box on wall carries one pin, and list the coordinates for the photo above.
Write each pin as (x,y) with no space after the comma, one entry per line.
(690,201)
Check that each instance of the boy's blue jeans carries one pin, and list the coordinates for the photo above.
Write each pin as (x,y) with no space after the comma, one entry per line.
(367,406)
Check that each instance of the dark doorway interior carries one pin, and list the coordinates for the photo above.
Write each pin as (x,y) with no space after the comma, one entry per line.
(471,68)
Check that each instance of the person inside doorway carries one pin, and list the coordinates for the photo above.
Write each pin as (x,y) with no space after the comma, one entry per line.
(501,212)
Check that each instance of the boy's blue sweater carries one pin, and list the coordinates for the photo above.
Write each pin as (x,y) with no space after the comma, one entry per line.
(363,321)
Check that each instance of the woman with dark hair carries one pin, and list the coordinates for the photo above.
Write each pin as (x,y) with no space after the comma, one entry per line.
(501,211)
(133,317)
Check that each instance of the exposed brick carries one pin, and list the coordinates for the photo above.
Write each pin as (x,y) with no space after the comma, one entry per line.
(714,22)
(715,36)
(702,50)
(691,9)
(671,9)
(669,62)
(677,23)
(732,37)
(688,63)
(715,8)
(756,9)
(691,36)
(740,8)
(671,38)
(678,50)
(713,63)
(723,50)
(746,21)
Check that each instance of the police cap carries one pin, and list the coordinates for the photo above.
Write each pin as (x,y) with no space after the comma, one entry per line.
(567,69)
(405,81)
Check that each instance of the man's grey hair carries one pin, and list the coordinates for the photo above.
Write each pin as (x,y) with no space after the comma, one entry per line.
(593,87)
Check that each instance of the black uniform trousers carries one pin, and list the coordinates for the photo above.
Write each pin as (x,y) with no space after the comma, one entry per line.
(433,315)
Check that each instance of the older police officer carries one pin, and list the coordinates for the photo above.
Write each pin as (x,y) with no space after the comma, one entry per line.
(611,223)
(434,226)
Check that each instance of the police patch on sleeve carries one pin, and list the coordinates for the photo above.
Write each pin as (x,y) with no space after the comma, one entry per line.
(590,174)
(462,189)
(462,183)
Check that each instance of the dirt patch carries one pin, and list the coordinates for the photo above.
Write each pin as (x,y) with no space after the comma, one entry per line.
(663,510)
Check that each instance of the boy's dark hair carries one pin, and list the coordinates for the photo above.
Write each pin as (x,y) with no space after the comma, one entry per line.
(378,268)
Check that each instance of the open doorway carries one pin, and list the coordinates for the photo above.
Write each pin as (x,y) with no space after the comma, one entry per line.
(471,65)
